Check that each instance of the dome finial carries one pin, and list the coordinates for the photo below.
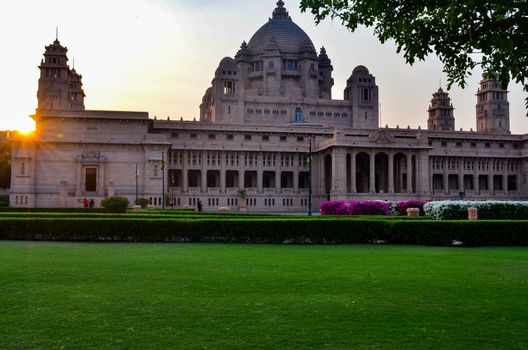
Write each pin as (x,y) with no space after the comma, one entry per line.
(280,11)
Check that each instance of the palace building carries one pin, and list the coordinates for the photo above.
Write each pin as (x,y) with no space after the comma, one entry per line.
(264,108)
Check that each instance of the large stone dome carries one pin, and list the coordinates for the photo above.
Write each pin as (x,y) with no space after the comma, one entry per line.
(290,38)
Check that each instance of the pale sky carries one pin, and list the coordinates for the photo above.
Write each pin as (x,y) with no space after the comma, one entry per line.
(159,56)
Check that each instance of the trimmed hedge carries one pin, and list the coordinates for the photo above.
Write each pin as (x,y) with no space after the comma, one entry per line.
(265,230)
(53,210)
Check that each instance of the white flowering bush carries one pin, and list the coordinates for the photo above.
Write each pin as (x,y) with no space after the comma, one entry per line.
(491,210)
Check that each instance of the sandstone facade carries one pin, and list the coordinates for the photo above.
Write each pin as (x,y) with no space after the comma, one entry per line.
(264,108)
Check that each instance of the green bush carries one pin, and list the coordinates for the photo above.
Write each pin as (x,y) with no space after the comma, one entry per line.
(4,201)
(115,204)
(142,201)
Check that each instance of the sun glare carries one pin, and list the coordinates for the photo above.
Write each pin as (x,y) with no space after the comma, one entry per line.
(26,126)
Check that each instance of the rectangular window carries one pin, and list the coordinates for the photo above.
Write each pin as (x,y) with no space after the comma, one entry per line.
(90,182)
(229,87)
(212,136)
(230,137)
(247,137)
(265,138)
(283,138)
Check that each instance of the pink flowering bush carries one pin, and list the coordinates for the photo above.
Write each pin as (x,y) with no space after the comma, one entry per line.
(355,208)
(401,207)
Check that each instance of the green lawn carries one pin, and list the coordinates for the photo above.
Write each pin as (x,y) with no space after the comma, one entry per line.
(191,296)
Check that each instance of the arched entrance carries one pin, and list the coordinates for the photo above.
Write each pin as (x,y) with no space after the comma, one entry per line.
(328,174)
(362,172)
(382,173)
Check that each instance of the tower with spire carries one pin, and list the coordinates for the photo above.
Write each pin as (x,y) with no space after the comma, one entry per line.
(493,108)
(59,87)
(441,112)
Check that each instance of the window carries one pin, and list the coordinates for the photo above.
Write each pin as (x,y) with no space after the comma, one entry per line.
(229,87)
(473,144)
(459,144)
(300,138)
(298,115)
(230,137)
(90,181)
(444,144)
(250,110)
(265,138)
(501,145)
(366,94)
(283,112)
(193,135)
(283,138)
(487,145)
(271,65)
(211,136)
(247,137)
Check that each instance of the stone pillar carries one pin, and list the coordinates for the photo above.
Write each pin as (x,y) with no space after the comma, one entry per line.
(461,175)
(260,171)
(391,172)
(338,171)
(241,185)
(409,173)
(505,182)
(277,180)
(296,158)
(101,182)
(490,183)
(78,185)
(222,172)
(372,181)
(445,163)
(204,172)
(185,173)
(353,171)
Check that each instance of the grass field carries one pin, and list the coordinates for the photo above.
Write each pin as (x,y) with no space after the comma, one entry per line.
(191,296)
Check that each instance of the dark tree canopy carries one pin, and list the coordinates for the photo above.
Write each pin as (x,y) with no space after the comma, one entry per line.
(463,34)
(5,164)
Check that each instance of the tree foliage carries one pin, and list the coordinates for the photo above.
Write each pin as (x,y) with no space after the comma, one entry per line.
(463,34)
(5,164)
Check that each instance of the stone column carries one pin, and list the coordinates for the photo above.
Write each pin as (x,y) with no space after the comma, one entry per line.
(296,158)
(101,183)
(409,173)
(204,172)
(445,163)
(260,172)
(353,171)
(185,173)
(338,171)
(391,172)
(461,175)
(372,182)
(505,182)
(222,172)
(277,180)
(78,185)
(241,185)
(490,183)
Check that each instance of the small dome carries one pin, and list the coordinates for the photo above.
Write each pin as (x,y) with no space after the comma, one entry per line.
(228,63)
(289,36)
(360,70)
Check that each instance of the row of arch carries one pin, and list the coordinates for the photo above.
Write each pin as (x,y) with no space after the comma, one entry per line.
(373,173)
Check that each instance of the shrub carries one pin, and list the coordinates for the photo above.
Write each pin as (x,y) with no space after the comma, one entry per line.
(491,210)
(143,202)
(355,208)
(115,204)
(264,230)
(401,207)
